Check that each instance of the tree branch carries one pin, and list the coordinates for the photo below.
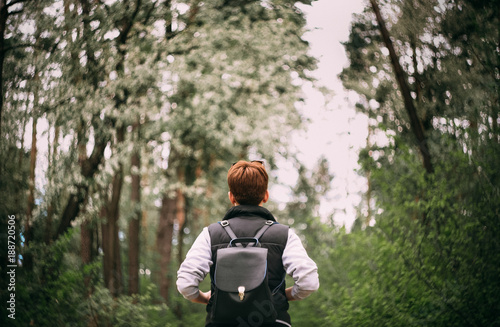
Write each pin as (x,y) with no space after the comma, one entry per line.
(128,25)
(22,45)
(416,124)
(14,2)
(15,12)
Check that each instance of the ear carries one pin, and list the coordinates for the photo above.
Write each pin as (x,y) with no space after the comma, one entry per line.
(232,199)
(266,197)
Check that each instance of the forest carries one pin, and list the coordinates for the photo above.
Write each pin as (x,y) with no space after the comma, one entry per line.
(119,120)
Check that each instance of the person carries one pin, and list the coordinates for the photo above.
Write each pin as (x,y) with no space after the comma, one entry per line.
(248,191)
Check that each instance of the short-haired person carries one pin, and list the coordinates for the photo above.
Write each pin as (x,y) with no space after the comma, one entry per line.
(248,192)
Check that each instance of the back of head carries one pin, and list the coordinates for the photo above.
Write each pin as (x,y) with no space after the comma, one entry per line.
(248,182)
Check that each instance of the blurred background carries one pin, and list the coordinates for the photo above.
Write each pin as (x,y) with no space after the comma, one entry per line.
(378,122)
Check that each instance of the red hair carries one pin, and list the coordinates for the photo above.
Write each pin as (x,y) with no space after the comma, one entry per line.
(248,182)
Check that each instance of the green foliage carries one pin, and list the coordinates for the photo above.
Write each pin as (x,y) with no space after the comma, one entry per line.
(50,294)
(54,294)
(403,272)
(127,311)
(430,259)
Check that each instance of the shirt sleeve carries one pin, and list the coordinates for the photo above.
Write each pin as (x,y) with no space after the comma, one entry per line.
(195,267)
(302,268)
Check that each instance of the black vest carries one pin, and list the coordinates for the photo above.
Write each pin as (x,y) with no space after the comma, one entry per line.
(245,221)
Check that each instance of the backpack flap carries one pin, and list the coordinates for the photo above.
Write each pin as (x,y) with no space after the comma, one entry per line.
(238,267)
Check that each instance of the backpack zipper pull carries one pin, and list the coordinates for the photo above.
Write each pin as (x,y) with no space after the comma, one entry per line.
(241,290)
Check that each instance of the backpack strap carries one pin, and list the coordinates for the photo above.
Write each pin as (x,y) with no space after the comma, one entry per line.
(229,231)
(260,232)
(277,288)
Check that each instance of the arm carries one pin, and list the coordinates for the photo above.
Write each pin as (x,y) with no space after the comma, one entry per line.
(194,269)
(288,293)
(302,269)
(202,297)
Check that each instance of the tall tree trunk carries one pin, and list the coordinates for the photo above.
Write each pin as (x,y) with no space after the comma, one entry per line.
(88,169)
(134,225)
(50,209)
(415,122)
(31,188)
(86,240)
(116,278)
(110,240)
(23,131)
(495,108)
(4,14)
(31,196)
(86,231)
(105,242)
(180,213)
(369,215)
(183,207)
(89,166)
(164,242)
(172,210)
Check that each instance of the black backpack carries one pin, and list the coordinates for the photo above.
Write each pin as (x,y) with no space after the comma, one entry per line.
(241,291)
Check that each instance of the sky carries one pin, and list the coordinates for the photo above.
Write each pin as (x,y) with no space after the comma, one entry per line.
(335,130)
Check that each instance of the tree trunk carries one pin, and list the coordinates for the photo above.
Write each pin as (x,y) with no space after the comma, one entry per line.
(113,211)
(28,260)
(88,169)
(50,209)
(368,181)
(495,108)
(134,226)
(31,188)
(86,240)
(23,131)
(172,210)
(110,239)
(164,242)
(89,166)
(105,243)
(183,207)
(85,228)
(4,14)
(415,122)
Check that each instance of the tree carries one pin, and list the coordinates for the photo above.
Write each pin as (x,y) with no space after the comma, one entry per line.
(225,84)
(415,123)
(134,223)
(447,59)
(143,104)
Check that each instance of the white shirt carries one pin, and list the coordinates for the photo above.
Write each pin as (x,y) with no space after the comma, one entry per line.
(296,263)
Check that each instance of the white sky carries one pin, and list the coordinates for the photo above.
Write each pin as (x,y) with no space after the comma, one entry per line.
(336,131)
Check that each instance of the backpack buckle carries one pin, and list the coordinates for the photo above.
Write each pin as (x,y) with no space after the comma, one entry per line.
(224,223)
(241,291)
(269,222)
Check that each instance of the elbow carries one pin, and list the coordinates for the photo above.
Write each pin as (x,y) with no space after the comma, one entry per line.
(315,285)
(306,287)
(300,293)
(189,293)
(187,289)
